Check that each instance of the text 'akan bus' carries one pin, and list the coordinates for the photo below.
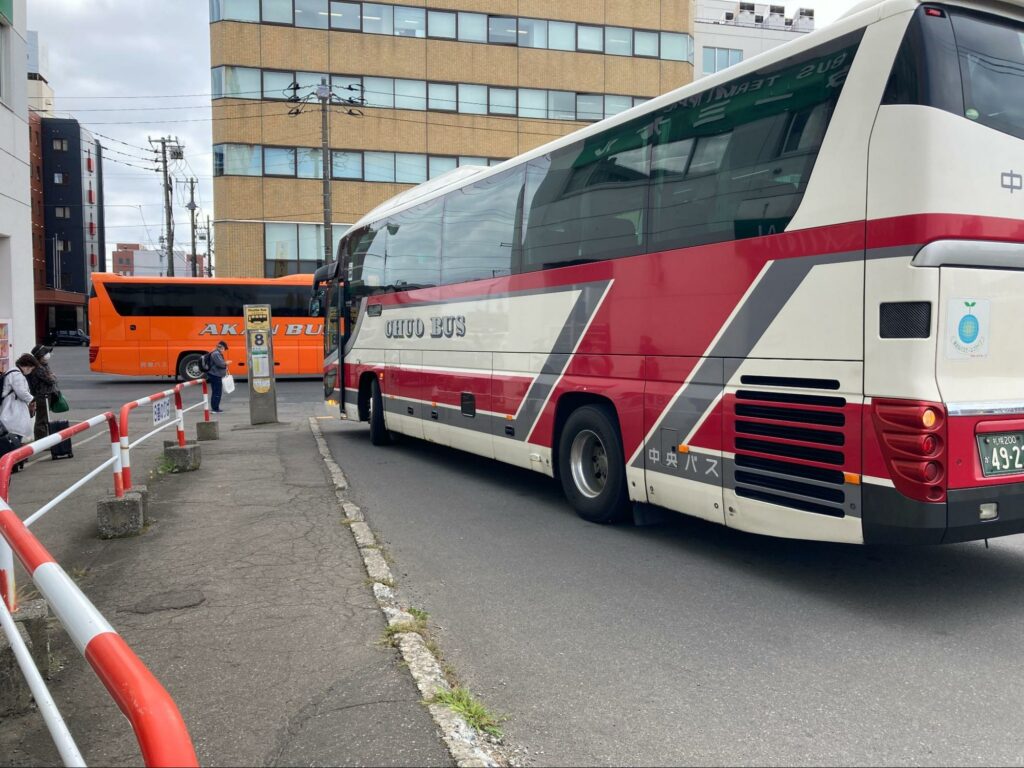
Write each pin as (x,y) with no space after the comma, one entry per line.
(149,326)
(786,298)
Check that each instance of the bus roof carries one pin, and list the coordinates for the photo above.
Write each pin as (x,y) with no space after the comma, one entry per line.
(859,16)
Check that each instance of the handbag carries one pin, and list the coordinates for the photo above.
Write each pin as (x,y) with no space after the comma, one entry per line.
(58,404)
(229,384)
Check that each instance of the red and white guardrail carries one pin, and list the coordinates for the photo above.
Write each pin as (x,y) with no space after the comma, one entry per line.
(159,728)
(163,423)
(8,590)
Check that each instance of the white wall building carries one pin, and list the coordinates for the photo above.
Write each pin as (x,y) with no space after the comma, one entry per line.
(16,289)
(40,94)
(726,32)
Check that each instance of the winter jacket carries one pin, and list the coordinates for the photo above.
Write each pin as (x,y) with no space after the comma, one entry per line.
(218,365)
(16,396)
(42,382)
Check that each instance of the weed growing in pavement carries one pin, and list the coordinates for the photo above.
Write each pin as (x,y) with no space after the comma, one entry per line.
(26,592)
(419,615)
(78,574)
(462,702)
(165,467)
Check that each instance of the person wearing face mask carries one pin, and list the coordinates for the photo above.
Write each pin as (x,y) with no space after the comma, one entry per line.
(43,385)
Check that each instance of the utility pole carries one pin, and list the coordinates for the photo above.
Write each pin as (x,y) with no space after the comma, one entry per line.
(209,249)
(323,94)
(192,211)
(176,153)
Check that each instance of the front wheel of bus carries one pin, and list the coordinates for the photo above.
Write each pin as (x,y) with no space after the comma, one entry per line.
(379,434)
(591,465)
(188,367)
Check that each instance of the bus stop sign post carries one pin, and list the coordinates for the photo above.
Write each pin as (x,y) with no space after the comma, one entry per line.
(259,351)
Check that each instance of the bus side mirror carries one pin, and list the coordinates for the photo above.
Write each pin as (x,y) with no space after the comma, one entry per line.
(314,307)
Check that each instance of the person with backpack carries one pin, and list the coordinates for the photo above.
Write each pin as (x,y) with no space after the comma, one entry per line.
(16,404)
(216,368)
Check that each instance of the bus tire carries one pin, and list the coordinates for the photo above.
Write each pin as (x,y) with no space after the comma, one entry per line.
(591,465)
(379,434)
(188,367)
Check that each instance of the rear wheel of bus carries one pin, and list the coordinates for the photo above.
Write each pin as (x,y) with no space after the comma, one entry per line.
(591,465)
(189,368)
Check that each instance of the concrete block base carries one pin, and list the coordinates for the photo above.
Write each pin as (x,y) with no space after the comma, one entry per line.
(15,695)
(185,459)
(117,518)
(34,616)
(208,430)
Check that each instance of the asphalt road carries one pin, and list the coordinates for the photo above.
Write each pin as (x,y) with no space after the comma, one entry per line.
(690,643)
(89,393)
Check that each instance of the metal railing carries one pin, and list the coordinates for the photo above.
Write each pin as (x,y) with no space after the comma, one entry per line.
(179,421)
(159,728)
(8,589)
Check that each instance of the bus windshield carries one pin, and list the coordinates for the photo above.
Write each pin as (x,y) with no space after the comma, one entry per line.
(991,55)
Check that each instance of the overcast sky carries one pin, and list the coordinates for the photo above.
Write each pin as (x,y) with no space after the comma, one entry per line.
(134,69)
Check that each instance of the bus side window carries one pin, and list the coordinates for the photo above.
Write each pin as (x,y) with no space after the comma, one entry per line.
(480,228)
(734,162)
(413,257)
(588,201)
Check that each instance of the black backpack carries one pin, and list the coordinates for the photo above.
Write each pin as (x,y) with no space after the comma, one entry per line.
(204,363)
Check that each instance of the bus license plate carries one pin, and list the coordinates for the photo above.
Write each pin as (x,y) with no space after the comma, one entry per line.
(1001,453)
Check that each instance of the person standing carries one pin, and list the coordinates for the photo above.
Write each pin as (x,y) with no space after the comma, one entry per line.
(16,403)
(215,373)
(42,384)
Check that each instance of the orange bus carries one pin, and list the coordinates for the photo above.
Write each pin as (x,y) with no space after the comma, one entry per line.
(161,326)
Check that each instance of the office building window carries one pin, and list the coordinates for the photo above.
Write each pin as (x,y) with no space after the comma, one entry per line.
(589,106)
(443,97)
(237,160)
(618,41)
(501,30)
(311,13)
(472,27)
(278,161)
(410,168)
(347,165)
(615,104)
(410,22)
(440,165)
(533,103)
(277,11)
(442,24)
(345,16)
(502,101)
(561,36)
(62,212)
(379,166)
(235,10)
(676,46)
(410,94)
(561,105)
(472,99)
(60,145)
(379,92)
(236,83)
(309,163)
(277,85)
(645,43)
(717,59)
(590,39)
(533,33)
(378,19)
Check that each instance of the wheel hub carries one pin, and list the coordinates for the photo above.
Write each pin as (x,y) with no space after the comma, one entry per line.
(588,461)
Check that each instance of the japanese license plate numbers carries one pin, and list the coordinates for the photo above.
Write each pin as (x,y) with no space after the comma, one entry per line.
(1001,453)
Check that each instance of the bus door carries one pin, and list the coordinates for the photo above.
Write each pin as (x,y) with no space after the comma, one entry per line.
(682,456)
(333,334)
(150,339)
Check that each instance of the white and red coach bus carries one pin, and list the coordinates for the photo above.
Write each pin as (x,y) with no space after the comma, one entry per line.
(788,298)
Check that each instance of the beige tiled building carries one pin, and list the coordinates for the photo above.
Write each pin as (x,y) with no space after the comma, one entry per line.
(438,84)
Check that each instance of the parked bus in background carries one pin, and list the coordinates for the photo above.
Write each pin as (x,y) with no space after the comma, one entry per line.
(146,326)
(785,298)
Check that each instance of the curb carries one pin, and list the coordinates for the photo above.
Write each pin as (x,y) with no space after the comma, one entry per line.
(466,746)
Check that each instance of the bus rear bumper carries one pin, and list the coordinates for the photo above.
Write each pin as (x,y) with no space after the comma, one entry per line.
(889,517)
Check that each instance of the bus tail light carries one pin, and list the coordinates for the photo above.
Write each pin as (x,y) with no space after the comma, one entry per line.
(93,354)
(912,436)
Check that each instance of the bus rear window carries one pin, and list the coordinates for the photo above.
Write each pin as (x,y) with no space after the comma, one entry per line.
(991,53)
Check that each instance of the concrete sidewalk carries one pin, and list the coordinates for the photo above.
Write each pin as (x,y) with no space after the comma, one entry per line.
(246,598)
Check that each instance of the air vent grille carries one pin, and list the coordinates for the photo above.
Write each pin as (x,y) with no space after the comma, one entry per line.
(789,448)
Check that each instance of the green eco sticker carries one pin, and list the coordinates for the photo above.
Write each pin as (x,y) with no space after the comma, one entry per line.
(972,114)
